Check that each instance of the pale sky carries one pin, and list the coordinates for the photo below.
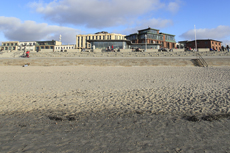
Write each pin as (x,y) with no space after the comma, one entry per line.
(27,20)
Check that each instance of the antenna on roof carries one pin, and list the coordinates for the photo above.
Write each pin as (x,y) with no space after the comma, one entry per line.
(60,38)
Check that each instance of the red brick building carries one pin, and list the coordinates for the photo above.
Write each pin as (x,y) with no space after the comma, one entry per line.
(202,43)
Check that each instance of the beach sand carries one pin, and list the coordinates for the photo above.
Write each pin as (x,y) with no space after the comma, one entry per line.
(114,109)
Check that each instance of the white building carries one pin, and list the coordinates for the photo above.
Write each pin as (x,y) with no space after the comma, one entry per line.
(64,48)
(26,46)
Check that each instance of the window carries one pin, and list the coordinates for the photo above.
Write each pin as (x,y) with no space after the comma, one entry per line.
(96,37)
(47,47)
(8,44)
(100,37)
(93,38)
(108,37)
(103,37)
(16,44)
(51,47)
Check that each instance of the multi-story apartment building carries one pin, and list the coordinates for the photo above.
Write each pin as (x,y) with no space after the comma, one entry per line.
(152,38)
(48,45)
(202,43)
(85,41)
(10,45)
(26,46)
(64,47)
(29,45)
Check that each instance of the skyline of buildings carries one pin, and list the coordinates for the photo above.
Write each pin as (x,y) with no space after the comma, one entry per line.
(145,38)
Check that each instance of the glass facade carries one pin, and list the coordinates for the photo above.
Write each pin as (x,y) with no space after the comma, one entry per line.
(106,44)
(169,37)
(148,31)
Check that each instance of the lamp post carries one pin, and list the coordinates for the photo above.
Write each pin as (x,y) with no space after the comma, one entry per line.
(145,42)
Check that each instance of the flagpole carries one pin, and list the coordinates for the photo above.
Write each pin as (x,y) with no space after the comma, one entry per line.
(195,37)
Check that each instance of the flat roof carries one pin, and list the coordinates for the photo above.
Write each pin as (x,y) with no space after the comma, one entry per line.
(199,40)
(166,34)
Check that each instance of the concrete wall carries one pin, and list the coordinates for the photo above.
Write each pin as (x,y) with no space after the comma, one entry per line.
(203,49)
(110,62)
(178,50)
(46,50)
(152,50)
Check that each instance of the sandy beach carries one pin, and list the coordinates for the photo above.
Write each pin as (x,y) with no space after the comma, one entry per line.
(114,109)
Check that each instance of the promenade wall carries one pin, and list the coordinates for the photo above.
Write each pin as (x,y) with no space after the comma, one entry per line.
(115,59)
(111,61)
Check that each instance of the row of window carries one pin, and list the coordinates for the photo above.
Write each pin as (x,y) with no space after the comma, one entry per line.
(9,44)
(104,37)
(25,44)
(167,37)
(64,47)
(216,43)
(149,36)
(149,31)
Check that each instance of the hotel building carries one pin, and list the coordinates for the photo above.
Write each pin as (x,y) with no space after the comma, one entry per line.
(152,38)
(100,40)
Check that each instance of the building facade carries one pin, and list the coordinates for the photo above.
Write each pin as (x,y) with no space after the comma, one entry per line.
(47,45)
(202,43)
(10,45)
(152,38)
(29,45)
(64,47)
(87,41)
(26,46)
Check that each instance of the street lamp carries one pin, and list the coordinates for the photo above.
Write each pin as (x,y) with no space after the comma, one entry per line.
(145,42)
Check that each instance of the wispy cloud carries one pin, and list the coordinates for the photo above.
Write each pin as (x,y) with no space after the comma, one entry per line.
(174,6)
(15,29)
(220,32)
(101,13)
(153,23)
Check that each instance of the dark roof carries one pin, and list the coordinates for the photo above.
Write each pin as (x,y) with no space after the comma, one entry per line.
(166,34)
(149,29)
(102,32)
(199,40)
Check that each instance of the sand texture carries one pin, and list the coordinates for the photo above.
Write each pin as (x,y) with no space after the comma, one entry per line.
(114,109)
